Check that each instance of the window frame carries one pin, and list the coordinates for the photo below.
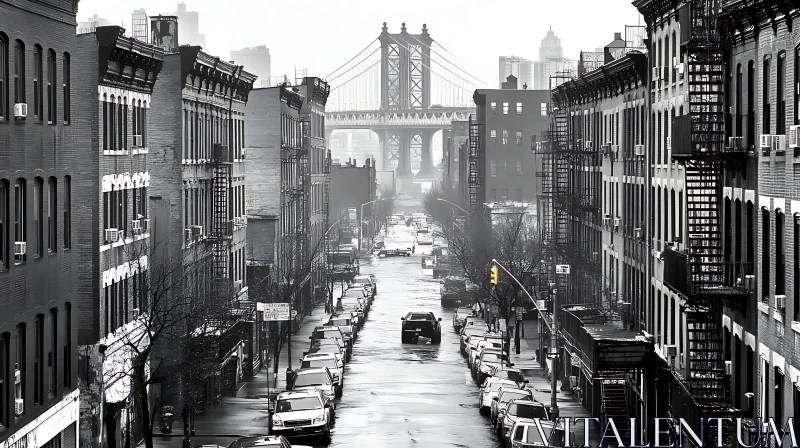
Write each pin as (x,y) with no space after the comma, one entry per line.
(38,219)
(67,238)
(52,215)
(780,97)
(5,223)
(20,216)
(52,78)
(38,81)
(66,88)
(519,108)
(19,72)
(4,80)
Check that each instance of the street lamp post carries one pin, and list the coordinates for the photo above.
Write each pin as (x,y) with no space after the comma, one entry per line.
(329,305)
(361,221)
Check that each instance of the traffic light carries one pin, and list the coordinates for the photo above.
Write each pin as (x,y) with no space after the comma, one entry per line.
(494,278)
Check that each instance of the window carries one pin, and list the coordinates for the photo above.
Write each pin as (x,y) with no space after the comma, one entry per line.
(765,106)
(67,345)
(493,168)
(4,382)
(38,219)
(52,358)
(519,168)
(20,359)
(20,207)
(544,109)
(751,104)
(38,360)
(37,82)
(780,254)
(781,94)
(505,136)
(519,108)
(19,72)
(3,78)
(493,136)
(4,226)
(505,108)
(52,214)
(667,61)
(122,124)
(105,122)
(779,396)
(66,90)
(796,92)
(519,138)
(67,212)
(796,268)
(51,86)
(494,108)
(739,100)
(504,195)
(765,277)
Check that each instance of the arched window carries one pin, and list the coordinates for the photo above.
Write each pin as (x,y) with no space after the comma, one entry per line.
(3,77)
(51,87)
(765,254)
(780,253)
(20,215)
(738,100)
(19,72)
(122,129)
(66,88)
(112,124)
(105,122)
(780,88)
(765,105)
(52,215)
(38,218)
(38,80)
(5,225)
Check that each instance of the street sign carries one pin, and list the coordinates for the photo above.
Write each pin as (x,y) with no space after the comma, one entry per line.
(562,269)
(274,311)
(519,312)
(294,314)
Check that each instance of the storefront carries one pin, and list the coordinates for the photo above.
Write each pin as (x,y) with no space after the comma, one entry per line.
(56,427)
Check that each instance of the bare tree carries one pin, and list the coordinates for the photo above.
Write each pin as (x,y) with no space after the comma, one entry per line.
(176,313)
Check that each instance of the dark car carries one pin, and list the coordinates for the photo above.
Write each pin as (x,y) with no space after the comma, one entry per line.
(417,324)
(327,332)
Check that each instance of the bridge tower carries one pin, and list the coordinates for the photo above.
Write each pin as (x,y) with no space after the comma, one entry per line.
(406,90)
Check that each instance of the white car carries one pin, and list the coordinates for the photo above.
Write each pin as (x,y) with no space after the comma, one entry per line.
(489,391)
(310,379)
(329,360)
(475,351)
(302,413)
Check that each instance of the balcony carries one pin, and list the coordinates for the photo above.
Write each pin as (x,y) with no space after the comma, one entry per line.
(677,276)
(676,271)
(695,413)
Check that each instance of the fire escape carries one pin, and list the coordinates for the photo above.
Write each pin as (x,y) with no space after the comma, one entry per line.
(476,164)
(222,231)
(699,273)
(295,183)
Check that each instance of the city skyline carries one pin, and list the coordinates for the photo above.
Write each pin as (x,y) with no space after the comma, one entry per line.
(521,34)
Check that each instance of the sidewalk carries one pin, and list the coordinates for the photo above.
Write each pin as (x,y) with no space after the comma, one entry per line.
(247,413)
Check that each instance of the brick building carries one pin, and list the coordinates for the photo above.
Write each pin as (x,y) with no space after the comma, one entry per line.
(315,92)
(352,186)
(511,121)
(197,174)
(279,186)
(43,193)
(454,141)
(122,71)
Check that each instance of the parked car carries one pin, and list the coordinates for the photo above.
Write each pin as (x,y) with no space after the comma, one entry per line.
(305,412)
(345,324)
(489,391)
(519,409)
(261,442)
(506,394)
(467,332)
(332,342)
(334,349)
(417,324)
(327,332)
(365,280)
(478,347)
(526,434)
(508,373)
(459,317)
(310,379)
(332,362)
(475,365)
(485,365)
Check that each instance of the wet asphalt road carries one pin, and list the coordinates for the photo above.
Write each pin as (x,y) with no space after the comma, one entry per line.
(407,395)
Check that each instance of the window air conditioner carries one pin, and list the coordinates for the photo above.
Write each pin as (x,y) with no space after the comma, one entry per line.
(657,254)
(20,111)
(20,248)
(187,234)
(588,145)
(197,231)
(137,141)
(670,351)
(606,221)
(136,224)
(779,145)
(780,302)
(146,224)
(237,285)
(19,406)
(236,221)
(112,235)
(638,150)
(617,221)
(728,367)
(637,232)
(794,136)
(244,220)
(765,141)
(681,68)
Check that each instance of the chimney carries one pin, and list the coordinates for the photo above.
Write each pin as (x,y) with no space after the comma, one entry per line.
(355,162)
(368,164)
(164,31)
(617,36)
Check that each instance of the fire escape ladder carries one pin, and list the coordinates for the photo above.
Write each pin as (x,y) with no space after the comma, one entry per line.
(615,406)
(475,165)
(222,227)
(703,191)
(706,369)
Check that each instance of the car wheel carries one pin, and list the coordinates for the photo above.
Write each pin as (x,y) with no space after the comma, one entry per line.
(404,339)
(436,340)
(498,431)
(338,392)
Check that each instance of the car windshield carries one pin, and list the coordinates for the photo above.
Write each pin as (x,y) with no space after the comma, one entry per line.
(324,334)
(527,411)
(509,395)
(298,404)
(490,357)
(534,437)
(496,385)
(312,379)
(317,363)
(364,280)
(340,322)
(512,375)
(420,316)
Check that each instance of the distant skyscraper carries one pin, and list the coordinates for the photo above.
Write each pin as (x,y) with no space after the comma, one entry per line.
(189,28)
(520,67)
(551,60)
(256,60)
(91,24)
(139,22)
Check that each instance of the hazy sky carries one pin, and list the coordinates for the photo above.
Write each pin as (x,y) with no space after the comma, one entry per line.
(321,35)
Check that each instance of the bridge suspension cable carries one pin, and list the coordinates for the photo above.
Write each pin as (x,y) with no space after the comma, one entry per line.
(351,68)
(356,76)
(352,59)
(451,54)
(446,60)
(408,48)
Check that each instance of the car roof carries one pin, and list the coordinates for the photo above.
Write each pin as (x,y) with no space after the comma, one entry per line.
(515,389)
(494,379)
(312,370)
(298,394)
(326,327)
(509,369)
(319,356)
(257,441)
